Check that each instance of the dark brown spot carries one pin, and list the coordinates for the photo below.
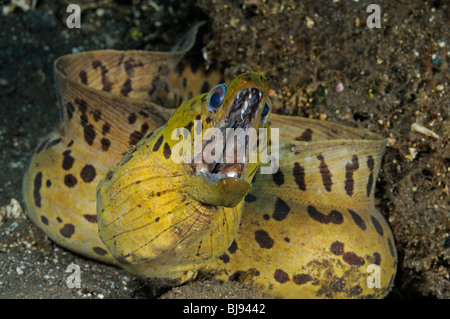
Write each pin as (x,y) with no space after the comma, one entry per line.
(235,276)
(70,109)
(144,128)
(281,210)
(67,231)
(281,276)
(358,220)
(70,180)
(166,151)
(89,134)
(353,259)
(149,135)
(106,128)
(106,143)
(99,251)
(377,226)
(105,81)
(299,175)
(278,178)
(194,101)
(83,77)
(84,119)
(82,105)
(377,258)
(250,198)
(263,239)
(266,217)
(158,143)
(306,136)
(325,172)
(41,146)
(208,120)
(132,118)
(180,68)
(301,279)
(233,247)
(68,160)
(126,87)
(370,163)
(92,218)
(225,258)
(70,144)
(44,220)
(48,183)
(349,169)
(391,247)
(53,143)
(334,216)
(286,239)
(109,175)
(337,248)
(88,173)
(58,219)
(156,219)
(97,115)
(37,189)
(130,64)
(144,114)
(135,137)
(371,166)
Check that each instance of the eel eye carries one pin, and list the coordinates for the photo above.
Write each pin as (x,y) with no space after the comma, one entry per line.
(215,97)
(267,110)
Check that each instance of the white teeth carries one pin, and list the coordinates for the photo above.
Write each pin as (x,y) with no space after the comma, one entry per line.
(259,94)
(239,95)
(245,105)
(231,174)
(250,96)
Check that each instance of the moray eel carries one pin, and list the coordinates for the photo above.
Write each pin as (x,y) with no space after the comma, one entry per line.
(125,180)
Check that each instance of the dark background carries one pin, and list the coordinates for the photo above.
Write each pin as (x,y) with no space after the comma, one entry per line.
(393,77)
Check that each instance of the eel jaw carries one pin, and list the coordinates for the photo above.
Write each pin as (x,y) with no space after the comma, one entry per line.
(242,115)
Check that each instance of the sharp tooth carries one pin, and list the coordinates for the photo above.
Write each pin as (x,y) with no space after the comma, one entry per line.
(245,105)
(232,174)
(250,96)
(260,94)
(239,95)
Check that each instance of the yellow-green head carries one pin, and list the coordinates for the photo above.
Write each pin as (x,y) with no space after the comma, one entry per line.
(175,201)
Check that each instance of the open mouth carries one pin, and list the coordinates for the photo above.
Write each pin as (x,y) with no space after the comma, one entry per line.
(241,117)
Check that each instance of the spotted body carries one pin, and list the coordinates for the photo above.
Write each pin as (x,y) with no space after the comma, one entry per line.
(308,230)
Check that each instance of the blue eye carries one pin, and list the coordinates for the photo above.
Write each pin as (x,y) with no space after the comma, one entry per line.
(215,97)
(267,110)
